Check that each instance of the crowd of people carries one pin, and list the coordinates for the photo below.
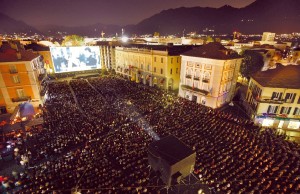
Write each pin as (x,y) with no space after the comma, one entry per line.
(96,133)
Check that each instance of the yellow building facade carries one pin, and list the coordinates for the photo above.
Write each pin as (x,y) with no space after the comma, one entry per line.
(273,98)
(20,72)
(150,66)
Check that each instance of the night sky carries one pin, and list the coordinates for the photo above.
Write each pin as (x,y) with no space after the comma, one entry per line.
(85,12)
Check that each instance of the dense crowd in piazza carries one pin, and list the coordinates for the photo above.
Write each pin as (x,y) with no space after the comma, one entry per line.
(97,143)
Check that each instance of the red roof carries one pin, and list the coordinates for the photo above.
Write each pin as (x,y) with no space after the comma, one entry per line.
(8,54)
(212,51)
(280,77)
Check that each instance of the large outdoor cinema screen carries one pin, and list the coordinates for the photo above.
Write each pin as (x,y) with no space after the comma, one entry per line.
(67,59)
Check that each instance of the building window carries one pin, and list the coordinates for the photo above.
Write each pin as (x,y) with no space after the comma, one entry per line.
(290,97)
(177,70)
(285,110)
(162,60)
(178,59)
(154,69)
(298,100)
(171,71)
(276,95)
(161,71)
(297,111)
(13,69)
(142,66)
(272,109)
(154,59)
(148,67)
(207,66)
(20,93)
(171,60)
(16,79)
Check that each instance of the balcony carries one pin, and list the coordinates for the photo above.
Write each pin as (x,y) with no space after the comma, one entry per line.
(270,101)
(21,99)
(13,71)
(195,89)
(197,78)
(188,76)
(205,80)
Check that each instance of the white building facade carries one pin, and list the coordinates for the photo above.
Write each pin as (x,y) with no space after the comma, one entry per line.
(210,80)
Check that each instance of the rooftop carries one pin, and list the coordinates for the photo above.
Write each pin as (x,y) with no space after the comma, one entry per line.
(7,54)
(171,149)
(212,51)
(37,47)
(173,50)
(280,77)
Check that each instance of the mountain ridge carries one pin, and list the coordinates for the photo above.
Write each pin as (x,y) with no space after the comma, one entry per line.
(262,15)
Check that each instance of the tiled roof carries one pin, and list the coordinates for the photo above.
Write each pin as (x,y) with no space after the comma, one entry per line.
(37,47)
(212,51)
(280,77)
(10,55)
(173,50)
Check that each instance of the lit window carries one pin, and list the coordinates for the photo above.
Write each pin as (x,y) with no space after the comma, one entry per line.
(13,69)
(272,109)
(20,93)
(16,79)
(268,123)
(290,97)
(285,110)
(294,125)
(297,112)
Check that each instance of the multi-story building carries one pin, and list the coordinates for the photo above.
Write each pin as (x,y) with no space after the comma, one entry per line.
(107,54)
(268,36)
(273,97)
(154,65)
(20,72)
(209,74)
(44,51)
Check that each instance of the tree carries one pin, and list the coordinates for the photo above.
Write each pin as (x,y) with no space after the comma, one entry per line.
(73,40)
(209,39)
(252,63)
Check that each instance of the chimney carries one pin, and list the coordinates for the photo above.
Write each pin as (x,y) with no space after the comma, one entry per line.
(19,56)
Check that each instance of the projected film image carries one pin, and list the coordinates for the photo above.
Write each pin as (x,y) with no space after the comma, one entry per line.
(66,59)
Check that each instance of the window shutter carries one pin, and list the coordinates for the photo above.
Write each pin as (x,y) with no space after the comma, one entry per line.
(269,109)
(273,95)
(289,110)
(281,110)
(293,99)
(276,108)
(296,109)
(280,95)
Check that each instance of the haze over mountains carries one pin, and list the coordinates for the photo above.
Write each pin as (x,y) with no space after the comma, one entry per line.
(280,16)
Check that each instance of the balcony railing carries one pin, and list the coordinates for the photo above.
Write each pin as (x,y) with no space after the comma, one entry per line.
(196,78)
(13,71)
(271,101)
(195,89)
(21,99)
(188,76)
(205,80)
